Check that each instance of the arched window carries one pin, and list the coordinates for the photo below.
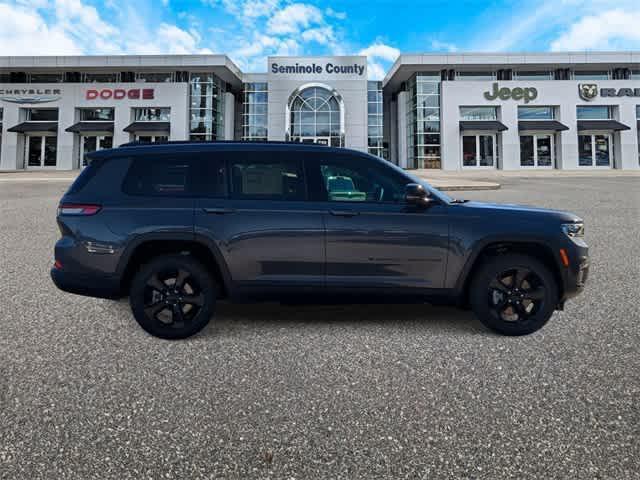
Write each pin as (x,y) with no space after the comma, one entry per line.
(315,116)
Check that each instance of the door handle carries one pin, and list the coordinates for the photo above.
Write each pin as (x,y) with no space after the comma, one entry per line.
(343,213)
(219,211)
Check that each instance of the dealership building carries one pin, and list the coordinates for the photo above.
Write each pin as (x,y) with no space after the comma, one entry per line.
(453,111)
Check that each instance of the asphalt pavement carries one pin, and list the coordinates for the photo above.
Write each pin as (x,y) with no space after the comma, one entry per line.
(323,392)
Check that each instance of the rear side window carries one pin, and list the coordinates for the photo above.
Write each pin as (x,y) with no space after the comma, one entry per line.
(86,175)
(266,176)
(161,175)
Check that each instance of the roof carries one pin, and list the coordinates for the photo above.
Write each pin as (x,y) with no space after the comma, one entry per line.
(407,63)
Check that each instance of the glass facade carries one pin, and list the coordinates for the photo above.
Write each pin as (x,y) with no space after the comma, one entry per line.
(206,107)
(316,118)
(96,114)
(533,75)
(375,143)
(255,111)
(594,112)
(423,121)
(42,114)
(476,75)
(592,75)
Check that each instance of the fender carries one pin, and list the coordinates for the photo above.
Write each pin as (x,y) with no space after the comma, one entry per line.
(478,247)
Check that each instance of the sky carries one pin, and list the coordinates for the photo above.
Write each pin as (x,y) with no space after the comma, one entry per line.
(250,30)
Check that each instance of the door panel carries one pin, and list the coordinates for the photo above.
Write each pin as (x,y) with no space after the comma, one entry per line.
(34,151)
(387,246)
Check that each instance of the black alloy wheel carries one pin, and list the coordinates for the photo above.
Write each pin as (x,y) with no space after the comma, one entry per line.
(173,296)
(513,294)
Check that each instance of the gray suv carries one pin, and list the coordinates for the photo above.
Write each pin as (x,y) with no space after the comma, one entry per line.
(179,226)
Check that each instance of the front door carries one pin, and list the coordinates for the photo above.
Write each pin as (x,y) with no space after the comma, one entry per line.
(254,211)
(479,150)
(374,240)
(537,150)
(41,151)
(595,150)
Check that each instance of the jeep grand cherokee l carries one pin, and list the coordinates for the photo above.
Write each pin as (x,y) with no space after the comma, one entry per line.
(179,226)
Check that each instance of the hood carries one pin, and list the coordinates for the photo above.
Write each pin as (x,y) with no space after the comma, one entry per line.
(525,212)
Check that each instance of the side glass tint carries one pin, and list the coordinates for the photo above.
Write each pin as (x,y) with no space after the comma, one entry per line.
(160,176)
(268,177)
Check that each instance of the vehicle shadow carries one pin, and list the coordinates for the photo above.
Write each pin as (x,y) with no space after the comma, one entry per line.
(230,319)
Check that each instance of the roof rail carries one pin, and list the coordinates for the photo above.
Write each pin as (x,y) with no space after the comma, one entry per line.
(210,142)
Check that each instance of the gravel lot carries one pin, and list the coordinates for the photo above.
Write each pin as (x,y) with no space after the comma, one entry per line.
(323,392)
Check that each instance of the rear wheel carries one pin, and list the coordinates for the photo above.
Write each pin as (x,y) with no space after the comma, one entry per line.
(513,294)
(173,296)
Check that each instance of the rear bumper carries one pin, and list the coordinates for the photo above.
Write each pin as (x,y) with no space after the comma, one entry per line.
(88,286)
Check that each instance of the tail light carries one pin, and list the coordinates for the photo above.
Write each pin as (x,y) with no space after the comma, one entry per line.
(78,209)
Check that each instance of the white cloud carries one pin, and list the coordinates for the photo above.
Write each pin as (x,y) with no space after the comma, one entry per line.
(379,57)
(293,18)
(439,46)
(332,13)
(321,35)
(613,29)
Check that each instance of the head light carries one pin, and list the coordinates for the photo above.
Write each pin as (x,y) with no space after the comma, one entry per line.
(573,229)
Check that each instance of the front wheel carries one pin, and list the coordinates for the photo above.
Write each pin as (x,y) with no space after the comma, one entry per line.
(173,296)
(513,294)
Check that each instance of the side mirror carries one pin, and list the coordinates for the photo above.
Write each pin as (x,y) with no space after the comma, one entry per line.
(416,194)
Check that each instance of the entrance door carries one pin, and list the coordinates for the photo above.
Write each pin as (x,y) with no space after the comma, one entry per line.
(595,150)
(92,143)
(479,150)
(41,151)
(537,150)
(316,140)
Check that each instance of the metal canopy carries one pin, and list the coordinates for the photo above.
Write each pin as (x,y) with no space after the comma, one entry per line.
(488,125)
(147,127)
(542,125)
(26,127)
(91,127)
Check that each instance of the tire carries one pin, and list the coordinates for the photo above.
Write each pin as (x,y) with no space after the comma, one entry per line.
(173,296)
(513,294)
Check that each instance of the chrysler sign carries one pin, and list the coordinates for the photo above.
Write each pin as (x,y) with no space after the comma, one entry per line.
(120,94)
(30,95)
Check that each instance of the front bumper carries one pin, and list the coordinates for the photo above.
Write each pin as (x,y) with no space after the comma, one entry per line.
(576,274)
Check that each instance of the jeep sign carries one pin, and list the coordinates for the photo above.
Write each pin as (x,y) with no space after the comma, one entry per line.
(517,93)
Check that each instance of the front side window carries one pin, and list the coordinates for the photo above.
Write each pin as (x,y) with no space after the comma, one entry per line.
(353,179)
(152,114)
(478,113)
(273,176)
(160,176)
(536,113)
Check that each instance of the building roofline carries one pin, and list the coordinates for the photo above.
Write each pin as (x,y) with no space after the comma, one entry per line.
(442,60)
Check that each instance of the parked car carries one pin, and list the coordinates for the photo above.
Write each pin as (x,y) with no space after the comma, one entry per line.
(180,226)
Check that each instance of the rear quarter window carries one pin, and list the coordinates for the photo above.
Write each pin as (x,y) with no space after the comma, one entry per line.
(87,173)
(161,176)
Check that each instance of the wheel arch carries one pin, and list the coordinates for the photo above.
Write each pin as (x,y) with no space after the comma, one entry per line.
(531,248)
(144,249)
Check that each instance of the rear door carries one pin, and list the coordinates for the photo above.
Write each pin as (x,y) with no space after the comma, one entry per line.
(256,214)
(376,241)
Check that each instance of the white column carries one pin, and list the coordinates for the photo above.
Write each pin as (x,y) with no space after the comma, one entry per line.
(65,158)
(229,115)
(402,129)
(510,152)
(626,155)
(568,149)
(392,128)
(10,156)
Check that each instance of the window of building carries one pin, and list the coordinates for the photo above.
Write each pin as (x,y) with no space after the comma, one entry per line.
(423,120)
(315,117)
(477,75)
(254,112)
(638,122)
(594,112)
(155,77)
(96,114)
(591,75)
(534,75)
(595,150)
(266,178)
(478,113)
(151,138)
(635,75)
(375,120)
(536,113)
(152,114)
(46,77)
(42,114)
(160,176)
(206,106)
(101,77)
